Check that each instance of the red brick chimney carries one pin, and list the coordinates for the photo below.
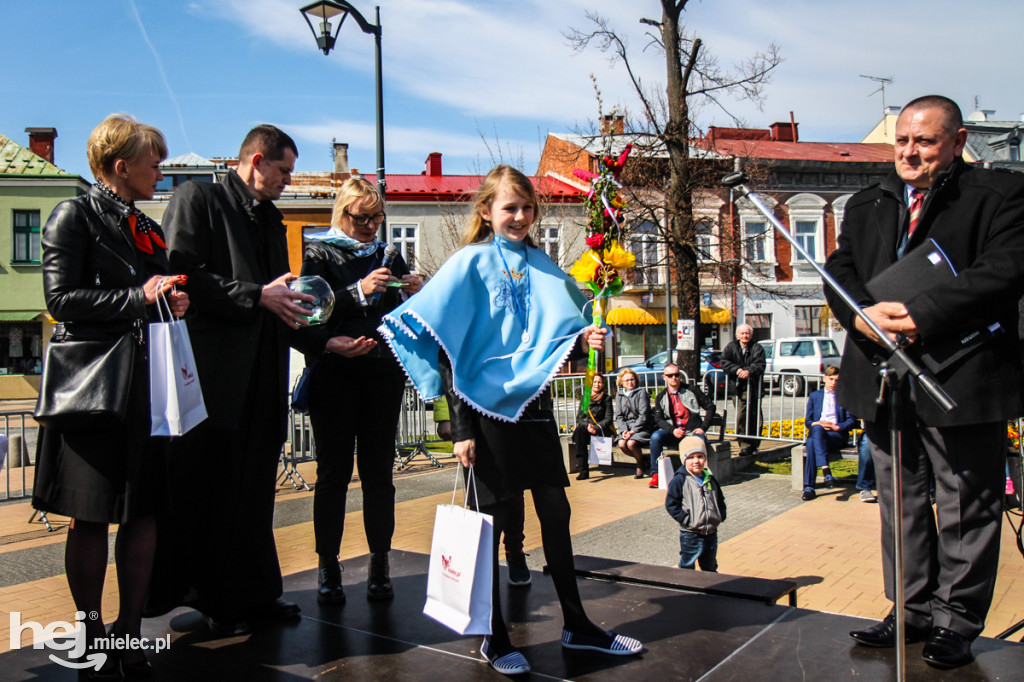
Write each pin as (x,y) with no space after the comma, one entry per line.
(434,164)
(785,131)
(613,124)
(40,141)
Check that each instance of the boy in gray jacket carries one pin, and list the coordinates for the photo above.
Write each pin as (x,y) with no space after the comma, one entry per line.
(695,500)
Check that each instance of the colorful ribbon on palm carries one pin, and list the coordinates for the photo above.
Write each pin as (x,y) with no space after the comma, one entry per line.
(601,265)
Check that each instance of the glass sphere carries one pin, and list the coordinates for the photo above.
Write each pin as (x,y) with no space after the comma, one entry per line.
(320,309)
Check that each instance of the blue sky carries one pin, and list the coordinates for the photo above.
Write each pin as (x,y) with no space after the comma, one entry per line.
(205,71)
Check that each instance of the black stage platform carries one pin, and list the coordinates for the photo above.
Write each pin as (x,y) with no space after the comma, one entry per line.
(687,637)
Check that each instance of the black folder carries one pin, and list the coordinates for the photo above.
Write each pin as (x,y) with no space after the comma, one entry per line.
(924,267)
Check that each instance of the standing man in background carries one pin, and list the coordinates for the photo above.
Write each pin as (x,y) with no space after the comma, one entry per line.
(977,217)
(744,362)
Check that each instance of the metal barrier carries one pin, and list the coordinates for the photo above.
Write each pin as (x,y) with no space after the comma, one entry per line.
(18,433)
(783,415)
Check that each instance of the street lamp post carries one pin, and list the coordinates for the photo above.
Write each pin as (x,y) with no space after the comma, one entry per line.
(322,12)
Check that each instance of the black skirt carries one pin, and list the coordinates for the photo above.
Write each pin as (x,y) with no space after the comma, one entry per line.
(111,472)
(513,457)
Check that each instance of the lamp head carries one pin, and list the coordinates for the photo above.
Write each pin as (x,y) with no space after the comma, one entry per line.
(322,12)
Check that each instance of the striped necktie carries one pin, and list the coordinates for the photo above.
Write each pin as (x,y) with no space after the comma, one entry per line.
(916,200)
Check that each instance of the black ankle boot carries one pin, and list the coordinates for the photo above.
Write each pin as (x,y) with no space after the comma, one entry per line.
(378,584)
(329,589)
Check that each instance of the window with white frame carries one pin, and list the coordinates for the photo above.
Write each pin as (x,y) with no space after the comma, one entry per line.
(643,244)
(806,233)
(757,239)
(403,236)
(25,235)
(807,224)
(839,213)
(705,237)
(549,234)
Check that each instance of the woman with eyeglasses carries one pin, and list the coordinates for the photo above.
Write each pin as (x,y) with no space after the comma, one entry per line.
(355,427)
(633,417)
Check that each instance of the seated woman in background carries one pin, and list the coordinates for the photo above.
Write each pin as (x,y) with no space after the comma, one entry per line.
(596,421)
(633,418)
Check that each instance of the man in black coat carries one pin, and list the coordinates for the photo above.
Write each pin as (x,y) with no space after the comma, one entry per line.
(744,363)
(230,240)
(977,218)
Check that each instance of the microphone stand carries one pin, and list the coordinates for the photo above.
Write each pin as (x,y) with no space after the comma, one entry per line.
(894,370)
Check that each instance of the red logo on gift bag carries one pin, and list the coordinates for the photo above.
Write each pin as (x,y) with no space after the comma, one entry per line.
(449,572)
(187,375)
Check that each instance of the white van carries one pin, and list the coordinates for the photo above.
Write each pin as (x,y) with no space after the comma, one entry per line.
(798,355)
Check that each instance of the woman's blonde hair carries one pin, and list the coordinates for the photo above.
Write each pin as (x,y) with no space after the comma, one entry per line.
(120,136)
(351,191)
(618,381)
(479,230)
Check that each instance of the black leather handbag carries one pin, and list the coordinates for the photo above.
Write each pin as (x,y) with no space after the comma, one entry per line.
(85,379)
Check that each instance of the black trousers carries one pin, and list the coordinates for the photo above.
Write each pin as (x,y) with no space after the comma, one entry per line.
(949,571)
(354,409)
(216,549)
(553,512)
(748,416)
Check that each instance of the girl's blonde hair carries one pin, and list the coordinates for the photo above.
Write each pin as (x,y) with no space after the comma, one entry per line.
(351,191)
(120,136)
(478,230)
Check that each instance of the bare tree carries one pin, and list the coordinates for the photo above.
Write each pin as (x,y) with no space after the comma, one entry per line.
(694,78)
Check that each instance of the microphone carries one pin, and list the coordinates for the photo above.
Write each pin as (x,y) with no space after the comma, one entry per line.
(389,257)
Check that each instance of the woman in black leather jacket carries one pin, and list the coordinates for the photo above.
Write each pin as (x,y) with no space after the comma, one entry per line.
(103,263)
(351,259)
(596,421)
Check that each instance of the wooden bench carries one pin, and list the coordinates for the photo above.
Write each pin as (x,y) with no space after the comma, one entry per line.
(765,590)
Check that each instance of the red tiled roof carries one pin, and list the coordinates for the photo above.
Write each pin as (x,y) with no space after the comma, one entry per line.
(462,187)
(809,151)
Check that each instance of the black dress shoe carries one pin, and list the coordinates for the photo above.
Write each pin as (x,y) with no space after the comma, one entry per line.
(329,589)
(138,669)
(883,635)
(583,475)
(947,649)
(279,610)
(378,584)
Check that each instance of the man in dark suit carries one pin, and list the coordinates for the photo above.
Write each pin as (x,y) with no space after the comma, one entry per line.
(828,426)
(744,362)
(977,218)
(230,240)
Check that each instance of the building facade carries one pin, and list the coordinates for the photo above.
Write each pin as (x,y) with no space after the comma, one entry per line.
(31,186)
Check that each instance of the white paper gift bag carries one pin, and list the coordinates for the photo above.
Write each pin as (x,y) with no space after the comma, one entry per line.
(459,576)
(601,450)
(176,398)
(665,472)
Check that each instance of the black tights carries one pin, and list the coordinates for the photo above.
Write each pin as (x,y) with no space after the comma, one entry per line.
(552,507)
(85,560)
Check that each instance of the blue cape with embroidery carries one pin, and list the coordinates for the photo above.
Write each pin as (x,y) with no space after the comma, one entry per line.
(467,310)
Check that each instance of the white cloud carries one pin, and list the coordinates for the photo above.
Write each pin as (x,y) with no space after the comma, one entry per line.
(398,139)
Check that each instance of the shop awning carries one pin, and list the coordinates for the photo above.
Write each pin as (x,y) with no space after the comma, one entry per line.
(631,315)
(713,315)
(19,316)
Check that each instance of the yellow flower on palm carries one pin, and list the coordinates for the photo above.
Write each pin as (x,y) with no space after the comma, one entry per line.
(618,258)
(584,269)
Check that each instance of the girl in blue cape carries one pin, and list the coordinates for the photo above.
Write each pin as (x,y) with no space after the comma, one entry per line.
(490,330)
